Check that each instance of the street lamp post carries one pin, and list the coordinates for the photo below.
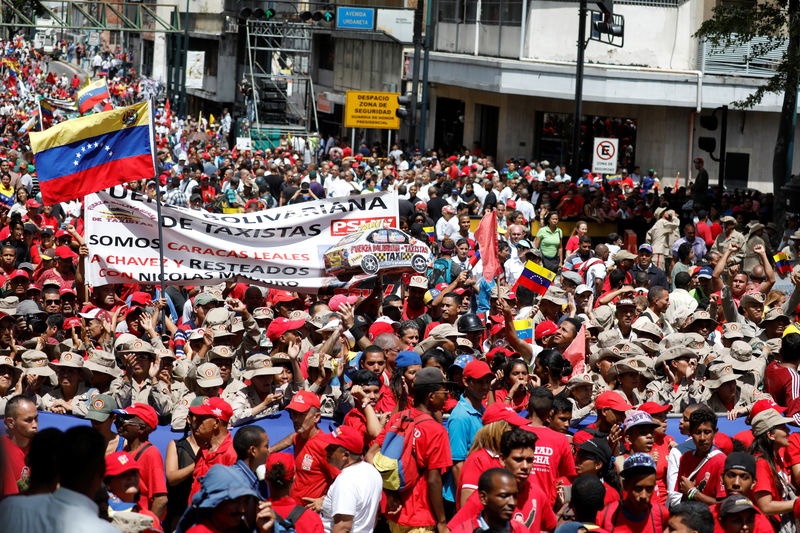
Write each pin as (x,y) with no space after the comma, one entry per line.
(576,120)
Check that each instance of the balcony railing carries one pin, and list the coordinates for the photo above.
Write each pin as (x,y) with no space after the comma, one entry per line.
(736,61)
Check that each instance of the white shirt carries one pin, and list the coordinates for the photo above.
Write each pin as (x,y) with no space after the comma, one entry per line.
(594,272)
(513,268)
(63,511)
(445,228)
(680,300)
(355,492)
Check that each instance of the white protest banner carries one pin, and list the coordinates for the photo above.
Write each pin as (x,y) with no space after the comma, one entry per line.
(279,247)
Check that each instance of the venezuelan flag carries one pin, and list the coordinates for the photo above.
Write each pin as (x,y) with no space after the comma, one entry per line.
(782,263)
(47,110)
(91,95)
(535,277)
(524,329)
(430,231)
(88,154)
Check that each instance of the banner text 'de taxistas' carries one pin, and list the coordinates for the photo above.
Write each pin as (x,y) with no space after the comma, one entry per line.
(279,247)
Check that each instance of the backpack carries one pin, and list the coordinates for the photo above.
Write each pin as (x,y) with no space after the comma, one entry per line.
(397,461)
(287,525)
(586,265)
(440,273)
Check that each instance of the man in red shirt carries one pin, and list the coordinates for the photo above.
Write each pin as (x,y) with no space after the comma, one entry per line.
(137,422)
(781,379)
(210,427)
(532,508)
(611,408)
(22,423)
(280,474)
(738,479)
(553,457)
(314,474)
(636,512)
(700,470)
(421,506)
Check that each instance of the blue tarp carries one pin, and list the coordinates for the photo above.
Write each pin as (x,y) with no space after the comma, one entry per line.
(280,425)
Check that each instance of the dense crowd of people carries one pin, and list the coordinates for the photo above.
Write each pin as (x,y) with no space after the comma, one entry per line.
(441,412)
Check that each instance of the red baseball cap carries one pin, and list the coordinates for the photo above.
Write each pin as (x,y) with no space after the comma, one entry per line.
(511,204)
(379,327)
(762,405)
(285,459)
(67,290)
(19,273)
(654,408)
(303,401)
(543,329)
(281,325)
(120,462)
(277,296)
(143,411)
(141,299)
(216,407)
(65,252)
(612,400)
(499,411)
(477,370)
(61,233)
(338,300)
(497,328)
(72,321)
(347,437)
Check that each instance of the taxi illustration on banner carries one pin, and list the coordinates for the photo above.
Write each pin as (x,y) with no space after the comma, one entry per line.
(371,250)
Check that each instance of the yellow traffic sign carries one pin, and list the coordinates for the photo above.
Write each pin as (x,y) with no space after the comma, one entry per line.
(371,110)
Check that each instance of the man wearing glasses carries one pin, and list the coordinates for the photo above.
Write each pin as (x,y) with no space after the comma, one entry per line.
(135,424)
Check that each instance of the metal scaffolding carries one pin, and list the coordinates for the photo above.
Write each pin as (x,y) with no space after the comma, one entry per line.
(279,60)
(91,15)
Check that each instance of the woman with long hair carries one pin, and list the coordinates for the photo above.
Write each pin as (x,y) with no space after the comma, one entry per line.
(483,455)
(513,388)
(773,492)
(581,228)
(550,368)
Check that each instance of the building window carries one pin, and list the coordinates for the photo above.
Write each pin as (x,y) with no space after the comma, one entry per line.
(506,12)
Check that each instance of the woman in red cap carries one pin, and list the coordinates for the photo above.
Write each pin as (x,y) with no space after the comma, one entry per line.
(122,482)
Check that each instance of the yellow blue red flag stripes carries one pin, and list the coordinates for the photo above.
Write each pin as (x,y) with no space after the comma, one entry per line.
(92,94)
(92,153)
(782,263)
(524,329)
(535,277)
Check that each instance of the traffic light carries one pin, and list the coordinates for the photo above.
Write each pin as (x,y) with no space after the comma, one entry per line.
(708,144)
(326,15)
(402,101)
(257,13)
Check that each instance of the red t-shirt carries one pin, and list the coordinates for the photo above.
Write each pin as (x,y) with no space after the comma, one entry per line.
(532,509)
(224,455)
(662,447)
(202,528)
(356,419)
(614,519)
(783,384)
(470,525)
(572,208)
(746,437)
(708,478)
(152,479)
(552,459)
(474,465)
(17,474)
(518,405)
(705,233)
(791,454)
(432,448)
(762,522)
(313,474)
(309,521)
(765,480)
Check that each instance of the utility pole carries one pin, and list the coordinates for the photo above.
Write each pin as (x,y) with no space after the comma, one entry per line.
(723,141)
(182,81)
(576,122)
(412,130)
(424,111)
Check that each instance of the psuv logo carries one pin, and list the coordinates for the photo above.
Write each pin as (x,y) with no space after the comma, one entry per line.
(340,228)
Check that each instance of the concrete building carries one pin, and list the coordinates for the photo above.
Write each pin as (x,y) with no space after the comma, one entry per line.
(504,81)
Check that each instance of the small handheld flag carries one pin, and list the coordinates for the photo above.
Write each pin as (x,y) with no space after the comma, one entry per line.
(430,231)
(535,277)
(91,95)
(782,263)
(524,329)
(88,154)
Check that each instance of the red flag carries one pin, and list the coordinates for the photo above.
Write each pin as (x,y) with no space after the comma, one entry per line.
(167,113)
(677,183)
(576,353)
(486,237)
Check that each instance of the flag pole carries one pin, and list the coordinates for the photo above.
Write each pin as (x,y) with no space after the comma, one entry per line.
(41,121)
(151,110)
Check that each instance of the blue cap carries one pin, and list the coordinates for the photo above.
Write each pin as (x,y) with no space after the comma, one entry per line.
(705,272)
(586,171)
(637,464)
(462,361)
(646,248)
(220,484)
(407,358)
